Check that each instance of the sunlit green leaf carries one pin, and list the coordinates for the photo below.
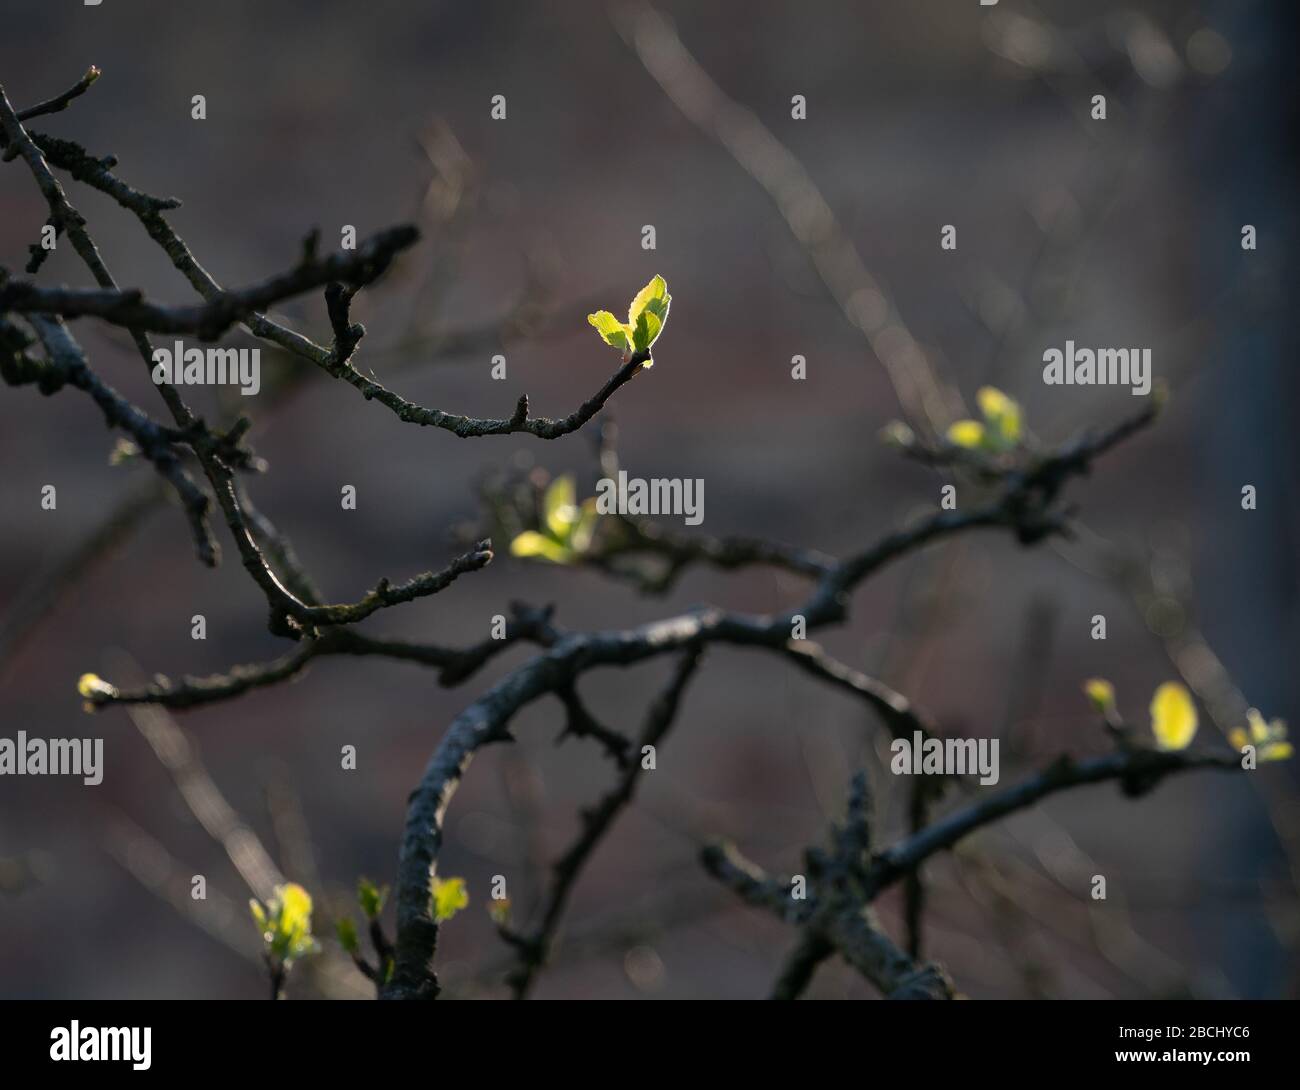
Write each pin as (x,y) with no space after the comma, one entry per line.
(285,923)
(585,527)
(653,297)
(531,543)
(1173,716)
(559,510)
(648,327)
(90,685)
(370,897)
(645,320)
(1101,693)
(1269,739)
(449,896)
(1002,414)
(611,329)
(966,433)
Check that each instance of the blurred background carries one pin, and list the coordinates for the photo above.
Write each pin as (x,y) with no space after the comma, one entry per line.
(777,237)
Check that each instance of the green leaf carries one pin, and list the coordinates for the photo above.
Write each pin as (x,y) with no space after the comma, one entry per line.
(1173,716)
(1002,414)
(585,527)
(1269,739)
(559,510)
(611,329)
(294,926)
(654,296)
(449,896)
(654,325)
(285,923)
(347,933)
(371,898)
(966,433)
(646,331)
(92,685)
(645,320)
(531,543)
(659,308)
(1101,694)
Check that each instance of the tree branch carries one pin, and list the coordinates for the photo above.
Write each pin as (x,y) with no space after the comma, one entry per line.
(60,102)
(534,949)
(1138,771)
(67,363)
(209,320)
(98,174)
(834,916)
(455,665)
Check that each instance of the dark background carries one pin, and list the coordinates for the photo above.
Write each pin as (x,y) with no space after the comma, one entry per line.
(920,114)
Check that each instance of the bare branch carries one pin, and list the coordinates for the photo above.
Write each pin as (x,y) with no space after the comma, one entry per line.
(834,914)
(455,665)
(467,427)
(753,885)
(580,723)
(535,948)
(60,102)
(896,711)
(67,363)
(1137,770)
(678,551)
(335,360)
(223,309)
(487,720)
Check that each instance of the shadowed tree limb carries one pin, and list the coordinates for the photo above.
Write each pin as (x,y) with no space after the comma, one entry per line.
(67,363)
(70,221)
(580,723)
(801,963)
(454,665)
(1138,771)
(845,879)
(1021,508)
(678,551)
(279,550)
(98,174)
(844,882)
(535,948)
(1016,509)
(60,102)
(289,614)
(898,714)
(209,320)
(833,915)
